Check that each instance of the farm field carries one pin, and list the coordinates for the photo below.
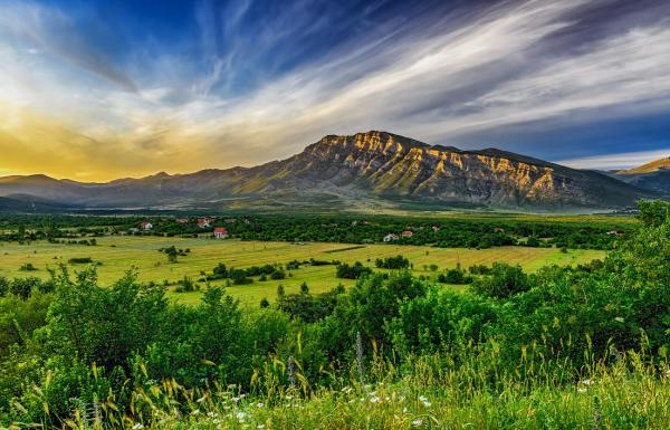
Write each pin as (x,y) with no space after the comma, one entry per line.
(118,254)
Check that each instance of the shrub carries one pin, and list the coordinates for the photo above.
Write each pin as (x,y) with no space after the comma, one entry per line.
(27,267)
(397,262)
(504,281)
(354,271)
(80,260)
(454,276)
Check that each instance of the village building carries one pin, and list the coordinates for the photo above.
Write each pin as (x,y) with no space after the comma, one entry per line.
(617,233)
(390,237)
(204,222)
(146,225)
(182,221)
(436,228)
(221,233)
(498,230)
(407,234)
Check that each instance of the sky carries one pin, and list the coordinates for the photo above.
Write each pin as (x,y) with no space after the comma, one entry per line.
(100,89)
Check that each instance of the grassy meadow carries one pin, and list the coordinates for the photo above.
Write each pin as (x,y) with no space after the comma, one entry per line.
(118,254)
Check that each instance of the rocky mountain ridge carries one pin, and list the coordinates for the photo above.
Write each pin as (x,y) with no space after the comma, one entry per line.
(372,166)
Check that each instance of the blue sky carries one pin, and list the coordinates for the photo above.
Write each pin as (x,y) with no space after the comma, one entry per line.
(128,88)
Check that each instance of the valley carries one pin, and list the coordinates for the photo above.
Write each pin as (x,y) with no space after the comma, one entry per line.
(117,255)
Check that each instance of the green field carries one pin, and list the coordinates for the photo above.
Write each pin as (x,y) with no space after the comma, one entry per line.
(118,254)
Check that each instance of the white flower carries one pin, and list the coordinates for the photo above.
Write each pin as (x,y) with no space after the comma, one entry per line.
(212,414)
(195,412)
(260,405)
(581,390)
(260,426)
(347,389)
(138,426)
(241,416)
(200,400)
(425,401)
(235,399)
(417,422)
(588,382)
(374,399)
(619,319)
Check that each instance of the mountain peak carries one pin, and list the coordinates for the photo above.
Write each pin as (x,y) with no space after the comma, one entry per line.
(653,166)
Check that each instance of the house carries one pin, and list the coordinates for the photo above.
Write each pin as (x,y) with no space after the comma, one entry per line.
(146,225)
(221,233)
(617,233)
(204,222)
(498,230)
(389,237)
(182,221)
(230,220)
(407,234)
(436,228)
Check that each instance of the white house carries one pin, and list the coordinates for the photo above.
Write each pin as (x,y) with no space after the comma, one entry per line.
(389,237)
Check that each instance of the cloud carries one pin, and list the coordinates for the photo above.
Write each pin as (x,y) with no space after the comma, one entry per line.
(617,161)
(49,31)
(252,87)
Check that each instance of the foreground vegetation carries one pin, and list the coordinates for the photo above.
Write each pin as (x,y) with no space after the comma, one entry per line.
(565,347)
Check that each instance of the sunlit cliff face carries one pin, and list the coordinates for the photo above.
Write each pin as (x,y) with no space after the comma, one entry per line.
(101,91)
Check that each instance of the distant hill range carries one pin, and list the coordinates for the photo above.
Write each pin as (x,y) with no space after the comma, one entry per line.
(651,176)
(366,170)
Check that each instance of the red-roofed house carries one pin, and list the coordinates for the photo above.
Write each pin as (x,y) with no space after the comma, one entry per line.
(221,233)
(146,225)
(204,222)
(407,233)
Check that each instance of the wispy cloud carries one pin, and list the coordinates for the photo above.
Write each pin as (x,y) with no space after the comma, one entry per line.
(252,88)
(618,161)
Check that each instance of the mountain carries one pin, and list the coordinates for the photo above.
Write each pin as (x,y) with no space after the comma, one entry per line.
(374,168)
(654,176)
(21,203)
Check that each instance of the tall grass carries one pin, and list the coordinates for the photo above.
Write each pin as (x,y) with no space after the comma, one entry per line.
(467,388)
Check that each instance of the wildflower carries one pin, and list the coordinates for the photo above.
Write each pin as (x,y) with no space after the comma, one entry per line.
(138,426)
(347,389)
(260,426)
(581,390)
(200,400)
(241,416)
(374,399)
(417,422)
(236,399)
(212,414)
(195,412)
(588,382)
(260,405)
(425,401)
(619,319)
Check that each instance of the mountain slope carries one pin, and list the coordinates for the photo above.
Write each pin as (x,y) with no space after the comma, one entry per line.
(654,176)
(365,167)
